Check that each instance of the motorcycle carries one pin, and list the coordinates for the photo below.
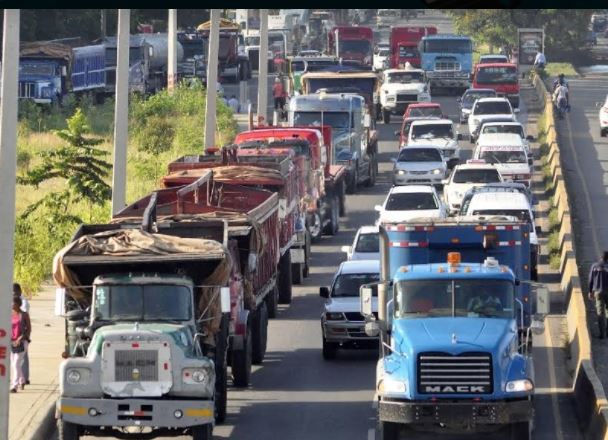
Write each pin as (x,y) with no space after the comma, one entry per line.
(562,107)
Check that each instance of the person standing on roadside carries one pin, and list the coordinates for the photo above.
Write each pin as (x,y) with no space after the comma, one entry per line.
(25,307)
(20,334)
(598,291)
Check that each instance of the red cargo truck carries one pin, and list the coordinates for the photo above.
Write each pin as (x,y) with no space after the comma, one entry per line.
(253,225)
(404,44)
(501,77)
(354,43)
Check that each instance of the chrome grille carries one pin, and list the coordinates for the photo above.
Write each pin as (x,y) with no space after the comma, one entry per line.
(444,373)
(27,89)
(447,65)
(403,97)
(136,365)
(356,316)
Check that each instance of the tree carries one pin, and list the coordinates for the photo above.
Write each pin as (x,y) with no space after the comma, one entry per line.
(79,163)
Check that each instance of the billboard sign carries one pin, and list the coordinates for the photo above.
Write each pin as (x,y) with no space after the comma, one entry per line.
(529,43)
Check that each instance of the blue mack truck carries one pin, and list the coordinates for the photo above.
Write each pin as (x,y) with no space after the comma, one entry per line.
(451,317)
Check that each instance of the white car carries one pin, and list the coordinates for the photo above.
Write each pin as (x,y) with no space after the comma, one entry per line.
(405,203)
(604,118)
(438,133)
(419,164)
(463,178)
(387,17)
(400,88)
(366,245)
(342,323)
(513,204)
(485,108)
(508,154)
(508,129)
(382,57)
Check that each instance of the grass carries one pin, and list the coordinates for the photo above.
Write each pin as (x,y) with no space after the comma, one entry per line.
(554,69)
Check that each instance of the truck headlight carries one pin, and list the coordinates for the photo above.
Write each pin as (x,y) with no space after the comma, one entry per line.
(437,171)
(391,386)
(198,376)
(518,386)
(195,376)
(390,99)
(400,172)
(76,376)
(334,316)
(73,377)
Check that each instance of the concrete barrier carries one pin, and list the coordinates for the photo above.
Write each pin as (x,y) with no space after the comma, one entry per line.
(590,398)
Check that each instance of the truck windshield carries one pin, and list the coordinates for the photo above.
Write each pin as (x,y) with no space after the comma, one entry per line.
(405,77)
(485,298)
(297,66)
(476,176)
(355,46)
(496,75)
(410,154)
(368,243)
(349,284)
(411,202)
(252,41)
(431,131)
(492,108)
(43,69)
(151,302)
(507,129)
(337,120)
(364,85)
(502,156)
(447,46)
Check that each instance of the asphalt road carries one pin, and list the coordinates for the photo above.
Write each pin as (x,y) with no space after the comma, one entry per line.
(295,394)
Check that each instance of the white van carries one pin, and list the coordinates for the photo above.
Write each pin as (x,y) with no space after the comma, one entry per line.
(508,154)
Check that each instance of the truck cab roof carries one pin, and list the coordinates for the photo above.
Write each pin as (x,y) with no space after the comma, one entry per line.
(463,270)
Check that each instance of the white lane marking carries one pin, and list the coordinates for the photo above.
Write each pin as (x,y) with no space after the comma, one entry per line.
(371,434)
(553,384)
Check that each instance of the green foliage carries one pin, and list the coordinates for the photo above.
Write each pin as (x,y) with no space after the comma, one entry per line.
(79,163)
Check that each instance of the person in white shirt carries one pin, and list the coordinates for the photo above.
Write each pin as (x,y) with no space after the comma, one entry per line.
(234,104)
(560,99)
(540,60)
(25,307)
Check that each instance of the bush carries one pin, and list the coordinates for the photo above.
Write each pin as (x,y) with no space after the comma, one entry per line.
(156,136)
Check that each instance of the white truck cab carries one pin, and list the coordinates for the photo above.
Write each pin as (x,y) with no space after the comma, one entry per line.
(400,88)
(508,154)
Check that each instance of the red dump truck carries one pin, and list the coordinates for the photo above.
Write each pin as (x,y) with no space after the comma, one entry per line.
(353,43)
(253,226)
(272,173)
(404,44)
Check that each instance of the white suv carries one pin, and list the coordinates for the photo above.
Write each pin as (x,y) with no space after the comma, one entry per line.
(485,108)
(437,133)
(404,203)
(463,178)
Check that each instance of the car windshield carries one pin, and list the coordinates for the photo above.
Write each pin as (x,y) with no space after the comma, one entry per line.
(522,214)
(492,108)
(475,298)
(470,97)
(349,284)
(355,46)
(408,52)
(405,77)
(507,129)
(503,156)
(496,75)
(410,154)
(368,243)
(411,202)
(151,302)
(431,131)
(384,52)
(476,176)
(425,112)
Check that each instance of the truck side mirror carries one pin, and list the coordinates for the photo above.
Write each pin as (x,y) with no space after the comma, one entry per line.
(530,160)
(324,292)
(530,138)
(367,121)
(538,230)
(516,111)
(460,137)
(366,294)
(397,133)
(225,299)
(64,71)
(60,302)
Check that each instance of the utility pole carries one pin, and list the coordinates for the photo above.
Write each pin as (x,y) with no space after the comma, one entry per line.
(103,23)
(121,113)
(210,105)
(8,165)
(172,52)
(263,68)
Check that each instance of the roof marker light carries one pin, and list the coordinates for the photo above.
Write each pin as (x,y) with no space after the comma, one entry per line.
(453,258)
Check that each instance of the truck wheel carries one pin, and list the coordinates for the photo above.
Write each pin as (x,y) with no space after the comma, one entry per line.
(306,270)
(285,279)
(221,370)
(202,432)
(388,430)
(332,227)
(315,229)
(386,117)
(602,132)
(521,431)
(241,361)
(297,274)
(330,349)
(342,199)
(272,302)
(67,430)
(259,335)
(351,188)
(371,181)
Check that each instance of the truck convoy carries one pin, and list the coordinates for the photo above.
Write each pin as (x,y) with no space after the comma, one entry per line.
(403,43)
(233,63)
(351,43)
(448,61)
(450,304)
(501,77)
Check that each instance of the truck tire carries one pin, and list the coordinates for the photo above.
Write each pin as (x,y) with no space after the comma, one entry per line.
(259,339)
(332,227)
(330,350)
(371,181)
(285,279)
(297,273)
(221,370)
(342,199)
(351,188)
(388,431)
(202,432)
(520,431)
(241,361)
(306,270)
(386,116)
(67,430)
(315,229)
(272,302)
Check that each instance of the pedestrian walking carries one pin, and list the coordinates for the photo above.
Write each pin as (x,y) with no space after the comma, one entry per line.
(20,334)
(25,307)
(234,104)
(598,291)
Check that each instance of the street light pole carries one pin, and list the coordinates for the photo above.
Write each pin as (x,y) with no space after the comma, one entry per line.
(172,51)
(121,113)
(212,61)
(8,165)
(263,68)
